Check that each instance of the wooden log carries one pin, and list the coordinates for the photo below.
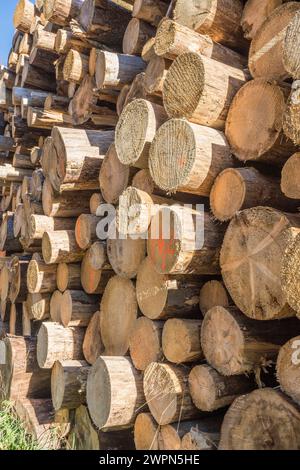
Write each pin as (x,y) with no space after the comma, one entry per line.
(23,15)
(173,39)
(26,321)
(212,294)
(68,384)
(288,368)
(66,204)
(289,275)
(290,54)
(32,77)
(166,393)
(155,75)
(116,70)
(21,161)
(39,224)
(45,40)
(145,432)
(205,90)
(94,279)
(125,254)
(257,263)
(221,21)
(92,344)
(57,102)
(199,154)
(251,345)
(95,201)
(20,373)
(199,435)
(66,40)
(148,51)
(46,119)
(137,33)
(255,13)
(61,11)
(151,11)
(55,306)
(145,342)
(56,343)
(9,173)
(61,247)
(18,271)
(210,390)
(177,246)
(117,319)
(76,66)
(38,306)
(290,118)
(43,59)
(83,101)
(273,146)
(104,21)
(181,340)
(35,98)
(85,435)
(275,409)
(41,278)
(68,276)
(25,44)
(7,144)
(266,50)
(77,308)
(114,176)
(136,130)
(236,189)
(121,389)
(85,230)
(162,296)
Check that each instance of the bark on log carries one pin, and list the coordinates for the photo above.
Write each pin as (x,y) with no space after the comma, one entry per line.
(113,70)
(68,384)
(264,141)
(199,154)
(145,342)
(251,269)
(166,393)
(38,306)
(117,319)
(205,90)
(61,247)
(56,343)
(251,344)
(268,433)
(77,308)
(32,77)
(41,278)
(162,296)
(121,388)
(66,204)
(39,224)
(61,11)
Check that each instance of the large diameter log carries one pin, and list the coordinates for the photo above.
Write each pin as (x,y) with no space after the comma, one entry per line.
(56,343)
(137,33)
(255,13)
(187,157)
(212,294)
(20,373)
(291,125)
(66,204)
(68,384)
(251,259)
(38,306)
(278,428)
(85,230)
(118,318)
(201,89)
(151,11)
(251,343)
(287,368)
(221,21)
(39,224)
(266,50)
(61,11)
(116,70)
(61,247)
(104,21)
(184,241)
(145,432)
(41,278)
(23,15)
(135,131)
(173,39)
(85,435)
(166,393)
(181,340)
(162,296)
(236,189)
(210,390)
(120,387)
(68,276)
(290,273)
(125,254)
(264,140)
(77,308)
(145,342)
(92,344)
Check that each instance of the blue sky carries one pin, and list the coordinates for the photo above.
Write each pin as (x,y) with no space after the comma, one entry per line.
(6,27)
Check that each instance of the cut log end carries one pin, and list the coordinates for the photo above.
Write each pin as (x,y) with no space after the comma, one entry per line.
(145,343)
(227,195)
(212,294)
(145,432)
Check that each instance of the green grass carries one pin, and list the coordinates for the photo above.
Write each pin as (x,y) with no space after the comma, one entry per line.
(12,433)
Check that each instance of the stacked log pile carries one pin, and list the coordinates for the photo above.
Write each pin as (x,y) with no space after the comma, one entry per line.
(117,115)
